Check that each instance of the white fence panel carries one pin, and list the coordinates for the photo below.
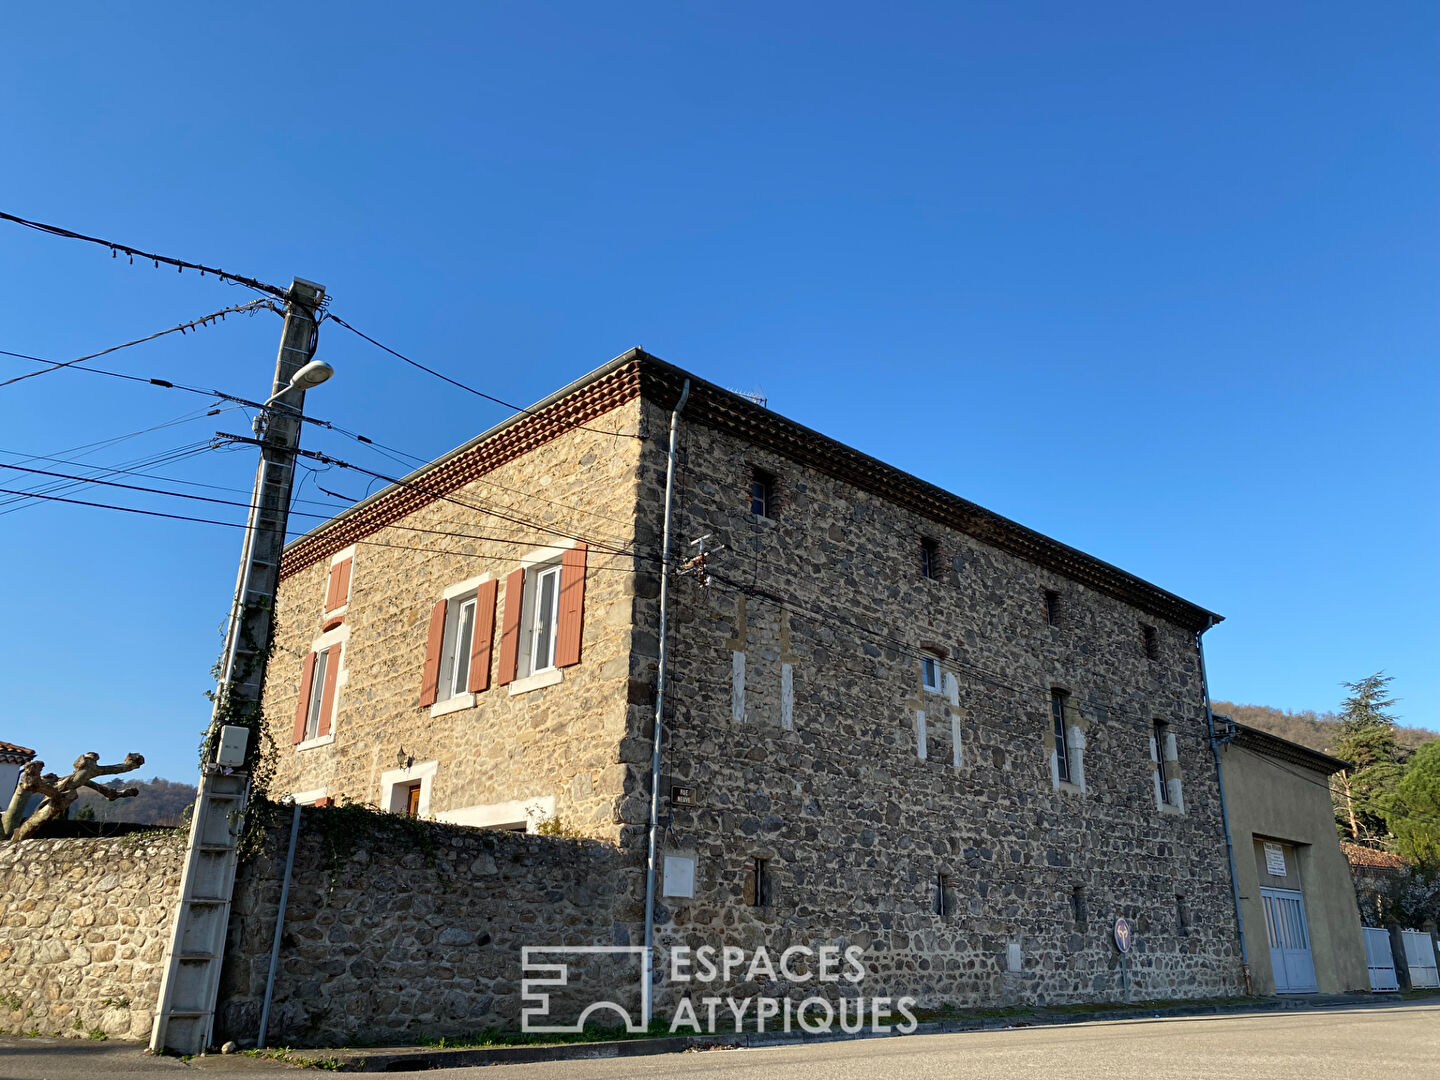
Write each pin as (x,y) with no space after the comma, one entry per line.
(1380,961)
(1420,955)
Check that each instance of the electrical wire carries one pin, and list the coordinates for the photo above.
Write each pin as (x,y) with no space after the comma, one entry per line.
(179,264)
(243,525)
(598,545)
(204,320)
(562,425)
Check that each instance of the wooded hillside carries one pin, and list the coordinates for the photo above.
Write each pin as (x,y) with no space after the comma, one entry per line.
(1319,731)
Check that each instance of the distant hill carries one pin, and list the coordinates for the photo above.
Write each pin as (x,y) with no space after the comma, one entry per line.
(160,802)
(1319,731)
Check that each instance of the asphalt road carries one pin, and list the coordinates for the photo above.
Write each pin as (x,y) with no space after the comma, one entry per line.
(1393,1042)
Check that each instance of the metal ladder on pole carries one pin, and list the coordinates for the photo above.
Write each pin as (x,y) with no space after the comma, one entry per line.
(190,983)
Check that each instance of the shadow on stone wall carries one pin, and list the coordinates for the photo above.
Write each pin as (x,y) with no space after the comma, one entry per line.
(397,930)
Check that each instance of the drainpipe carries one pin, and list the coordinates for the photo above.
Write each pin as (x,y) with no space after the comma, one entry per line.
(279,930)
(1224,811)
(647,975)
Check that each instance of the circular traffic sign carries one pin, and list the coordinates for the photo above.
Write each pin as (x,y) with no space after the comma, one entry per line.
(1123,934)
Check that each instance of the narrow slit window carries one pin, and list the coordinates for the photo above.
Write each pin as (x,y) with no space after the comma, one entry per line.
(1182,914)
(1052,608)
(929,559)
(1077,905)
(942,894)
(1062,734)
(930,672)
(1152,643)
(1161,730)
(762,493)
(761,895)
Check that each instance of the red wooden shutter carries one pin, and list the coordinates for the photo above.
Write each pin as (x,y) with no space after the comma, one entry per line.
(480,644)
(327,692)
(339,589)
(572,607)
(307,676)
(510,628)
(430,684)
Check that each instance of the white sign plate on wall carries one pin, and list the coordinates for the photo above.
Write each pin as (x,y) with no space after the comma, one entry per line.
(1274,860)
(679,876)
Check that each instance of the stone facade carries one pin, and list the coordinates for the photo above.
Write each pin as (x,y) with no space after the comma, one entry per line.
(392,936)
(548,751)
(937,827)
(801,727)
(83,932)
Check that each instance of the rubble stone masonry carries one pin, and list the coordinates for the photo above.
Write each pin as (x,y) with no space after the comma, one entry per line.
(551,749)
(83,929)
(799,722)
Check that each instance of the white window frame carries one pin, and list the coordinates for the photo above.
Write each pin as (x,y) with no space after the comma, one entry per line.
(450,695)
(331,640)
(930,664)
(534,586)
(393,782)
(317,695)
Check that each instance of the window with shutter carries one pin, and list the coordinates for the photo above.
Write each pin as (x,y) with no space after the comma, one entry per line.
(571,617)
(337,592)
(302,707)
(430,677)
(510,626)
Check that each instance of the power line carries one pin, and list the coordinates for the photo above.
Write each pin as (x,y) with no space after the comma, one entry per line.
(204,320)
(563,425)
(326,459)
(179,264)
(242,525)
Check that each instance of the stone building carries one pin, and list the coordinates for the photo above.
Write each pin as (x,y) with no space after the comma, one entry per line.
(894,719)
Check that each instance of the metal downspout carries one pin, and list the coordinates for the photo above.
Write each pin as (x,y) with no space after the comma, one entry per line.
(279,930)
(1224,811)
(648,968)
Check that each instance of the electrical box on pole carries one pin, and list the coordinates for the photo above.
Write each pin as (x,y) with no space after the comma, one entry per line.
(190,982)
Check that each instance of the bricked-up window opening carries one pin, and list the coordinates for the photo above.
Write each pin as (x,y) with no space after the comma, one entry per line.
(762,493)
(1062,733)
(943,905)
(930,672)
(1182,914)
(1152,643)
(317,694)
(760,893)
(1078,910)
(1161,729)
(929,558)
(1052,607)
(412,800)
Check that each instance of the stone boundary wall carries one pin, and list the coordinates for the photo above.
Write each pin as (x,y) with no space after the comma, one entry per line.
(397,930)
(83,929)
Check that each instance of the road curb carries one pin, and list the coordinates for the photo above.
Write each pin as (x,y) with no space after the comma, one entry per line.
(416,1059)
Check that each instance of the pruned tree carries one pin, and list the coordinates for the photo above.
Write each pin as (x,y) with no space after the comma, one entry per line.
(59,792)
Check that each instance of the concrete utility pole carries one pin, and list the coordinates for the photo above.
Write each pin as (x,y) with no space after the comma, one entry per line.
(252,612)
(185,1017)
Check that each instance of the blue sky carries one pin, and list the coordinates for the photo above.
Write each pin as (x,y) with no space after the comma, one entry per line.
(1157,280)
